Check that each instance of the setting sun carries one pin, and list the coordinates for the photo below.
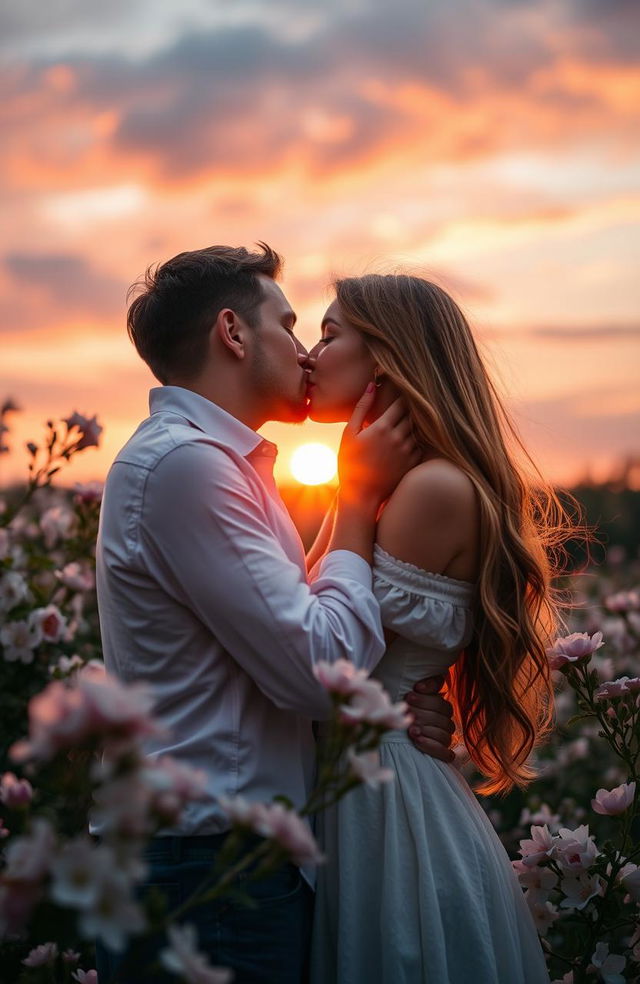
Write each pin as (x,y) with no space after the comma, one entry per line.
(313,464)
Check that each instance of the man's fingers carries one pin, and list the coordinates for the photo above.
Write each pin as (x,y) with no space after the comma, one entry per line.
(432,719)
(429,721)
(433,749)
(429,703)
(430,685)
(441,736)
(361,409)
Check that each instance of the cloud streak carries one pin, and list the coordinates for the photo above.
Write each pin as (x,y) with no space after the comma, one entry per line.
(444,82)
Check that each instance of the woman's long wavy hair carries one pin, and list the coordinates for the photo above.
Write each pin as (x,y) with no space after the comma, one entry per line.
(500,687)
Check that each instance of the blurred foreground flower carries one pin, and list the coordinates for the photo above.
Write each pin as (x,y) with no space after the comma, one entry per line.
(182,958)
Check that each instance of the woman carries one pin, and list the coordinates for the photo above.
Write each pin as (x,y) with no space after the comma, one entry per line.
(418,886)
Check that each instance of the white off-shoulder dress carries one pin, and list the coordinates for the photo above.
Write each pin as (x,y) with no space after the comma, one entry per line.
(417,887)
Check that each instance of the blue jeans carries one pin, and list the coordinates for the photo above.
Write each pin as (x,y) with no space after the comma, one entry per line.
(266,943)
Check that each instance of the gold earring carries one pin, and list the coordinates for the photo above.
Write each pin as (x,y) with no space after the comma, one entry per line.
(377,377)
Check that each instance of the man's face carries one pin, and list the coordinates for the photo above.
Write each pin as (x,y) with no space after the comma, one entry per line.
(276,373)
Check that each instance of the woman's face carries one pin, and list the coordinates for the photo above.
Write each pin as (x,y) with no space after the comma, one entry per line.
(343,367)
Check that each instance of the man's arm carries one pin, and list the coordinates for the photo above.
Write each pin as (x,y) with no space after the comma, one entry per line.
(208,542)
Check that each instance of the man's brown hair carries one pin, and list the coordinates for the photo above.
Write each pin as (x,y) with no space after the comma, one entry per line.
(170,320)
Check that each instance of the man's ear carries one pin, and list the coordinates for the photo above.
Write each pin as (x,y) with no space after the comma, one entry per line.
(231,329)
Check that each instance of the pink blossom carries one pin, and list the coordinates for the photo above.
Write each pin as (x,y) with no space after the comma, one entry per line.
(615,801)
(50,622)
(123,807)
(612,688)
(575,850)
(623,601)
(541,846)
(291,833)
(370,704)
(89,428)
(89,704)
(67,665)
(172,784)
(608,965)
(340,677)
(538,881)
(573,648)
(70,956)
(13,590)
(57,523)
(76,576)
(185,960)
(114,916)
(366,767)
(580,889)
(28,857)
(540,816)
(77,873)
(41,955)
(19,640)
(4,831)
(544,915)
(86,976)
(631,882)
(14,792)
(274,821)
(242,812)
(88,493)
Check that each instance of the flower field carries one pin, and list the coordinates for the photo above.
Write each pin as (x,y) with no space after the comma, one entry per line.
(70,746)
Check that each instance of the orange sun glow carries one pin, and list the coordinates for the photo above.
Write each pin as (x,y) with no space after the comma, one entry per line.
(313,464)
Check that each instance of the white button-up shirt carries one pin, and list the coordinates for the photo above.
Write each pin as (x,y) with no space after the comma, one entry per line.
(203,595)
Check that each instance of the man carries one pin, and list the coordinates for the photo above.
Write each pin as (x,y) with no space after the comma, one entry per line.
(202,582)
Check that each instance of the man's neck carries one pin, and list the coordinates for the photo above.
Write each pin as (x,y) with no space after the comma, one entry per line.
(223,397)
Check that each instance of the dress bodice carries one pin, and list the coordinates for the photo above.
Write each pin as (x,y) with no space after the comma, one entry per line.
(431,616)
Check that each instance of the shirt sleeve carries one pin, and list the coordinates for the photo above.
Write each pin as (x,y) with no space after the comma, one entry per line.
(205,537)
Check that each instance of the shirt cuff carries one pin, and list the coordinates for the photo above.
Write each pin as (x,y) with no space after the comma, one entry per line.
(346,563)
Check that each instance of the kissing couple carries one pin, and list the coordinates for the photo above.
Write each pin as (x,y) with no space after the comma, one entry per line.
(431,564)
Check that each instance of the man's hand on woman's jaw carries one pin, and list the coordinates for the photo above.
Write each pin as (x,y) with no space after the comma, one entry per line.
(432,728)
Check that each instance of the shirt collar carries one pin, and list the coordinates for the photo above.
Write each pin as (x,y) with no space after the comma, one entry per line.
(210,418)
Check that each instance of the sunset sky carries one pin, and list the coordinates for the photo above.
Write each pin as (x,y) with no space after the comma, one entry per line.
(491,145)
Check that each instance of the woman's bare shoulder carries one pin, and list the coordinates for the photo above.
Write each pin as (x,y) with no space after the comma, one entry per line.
(436,482)
(431,517)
